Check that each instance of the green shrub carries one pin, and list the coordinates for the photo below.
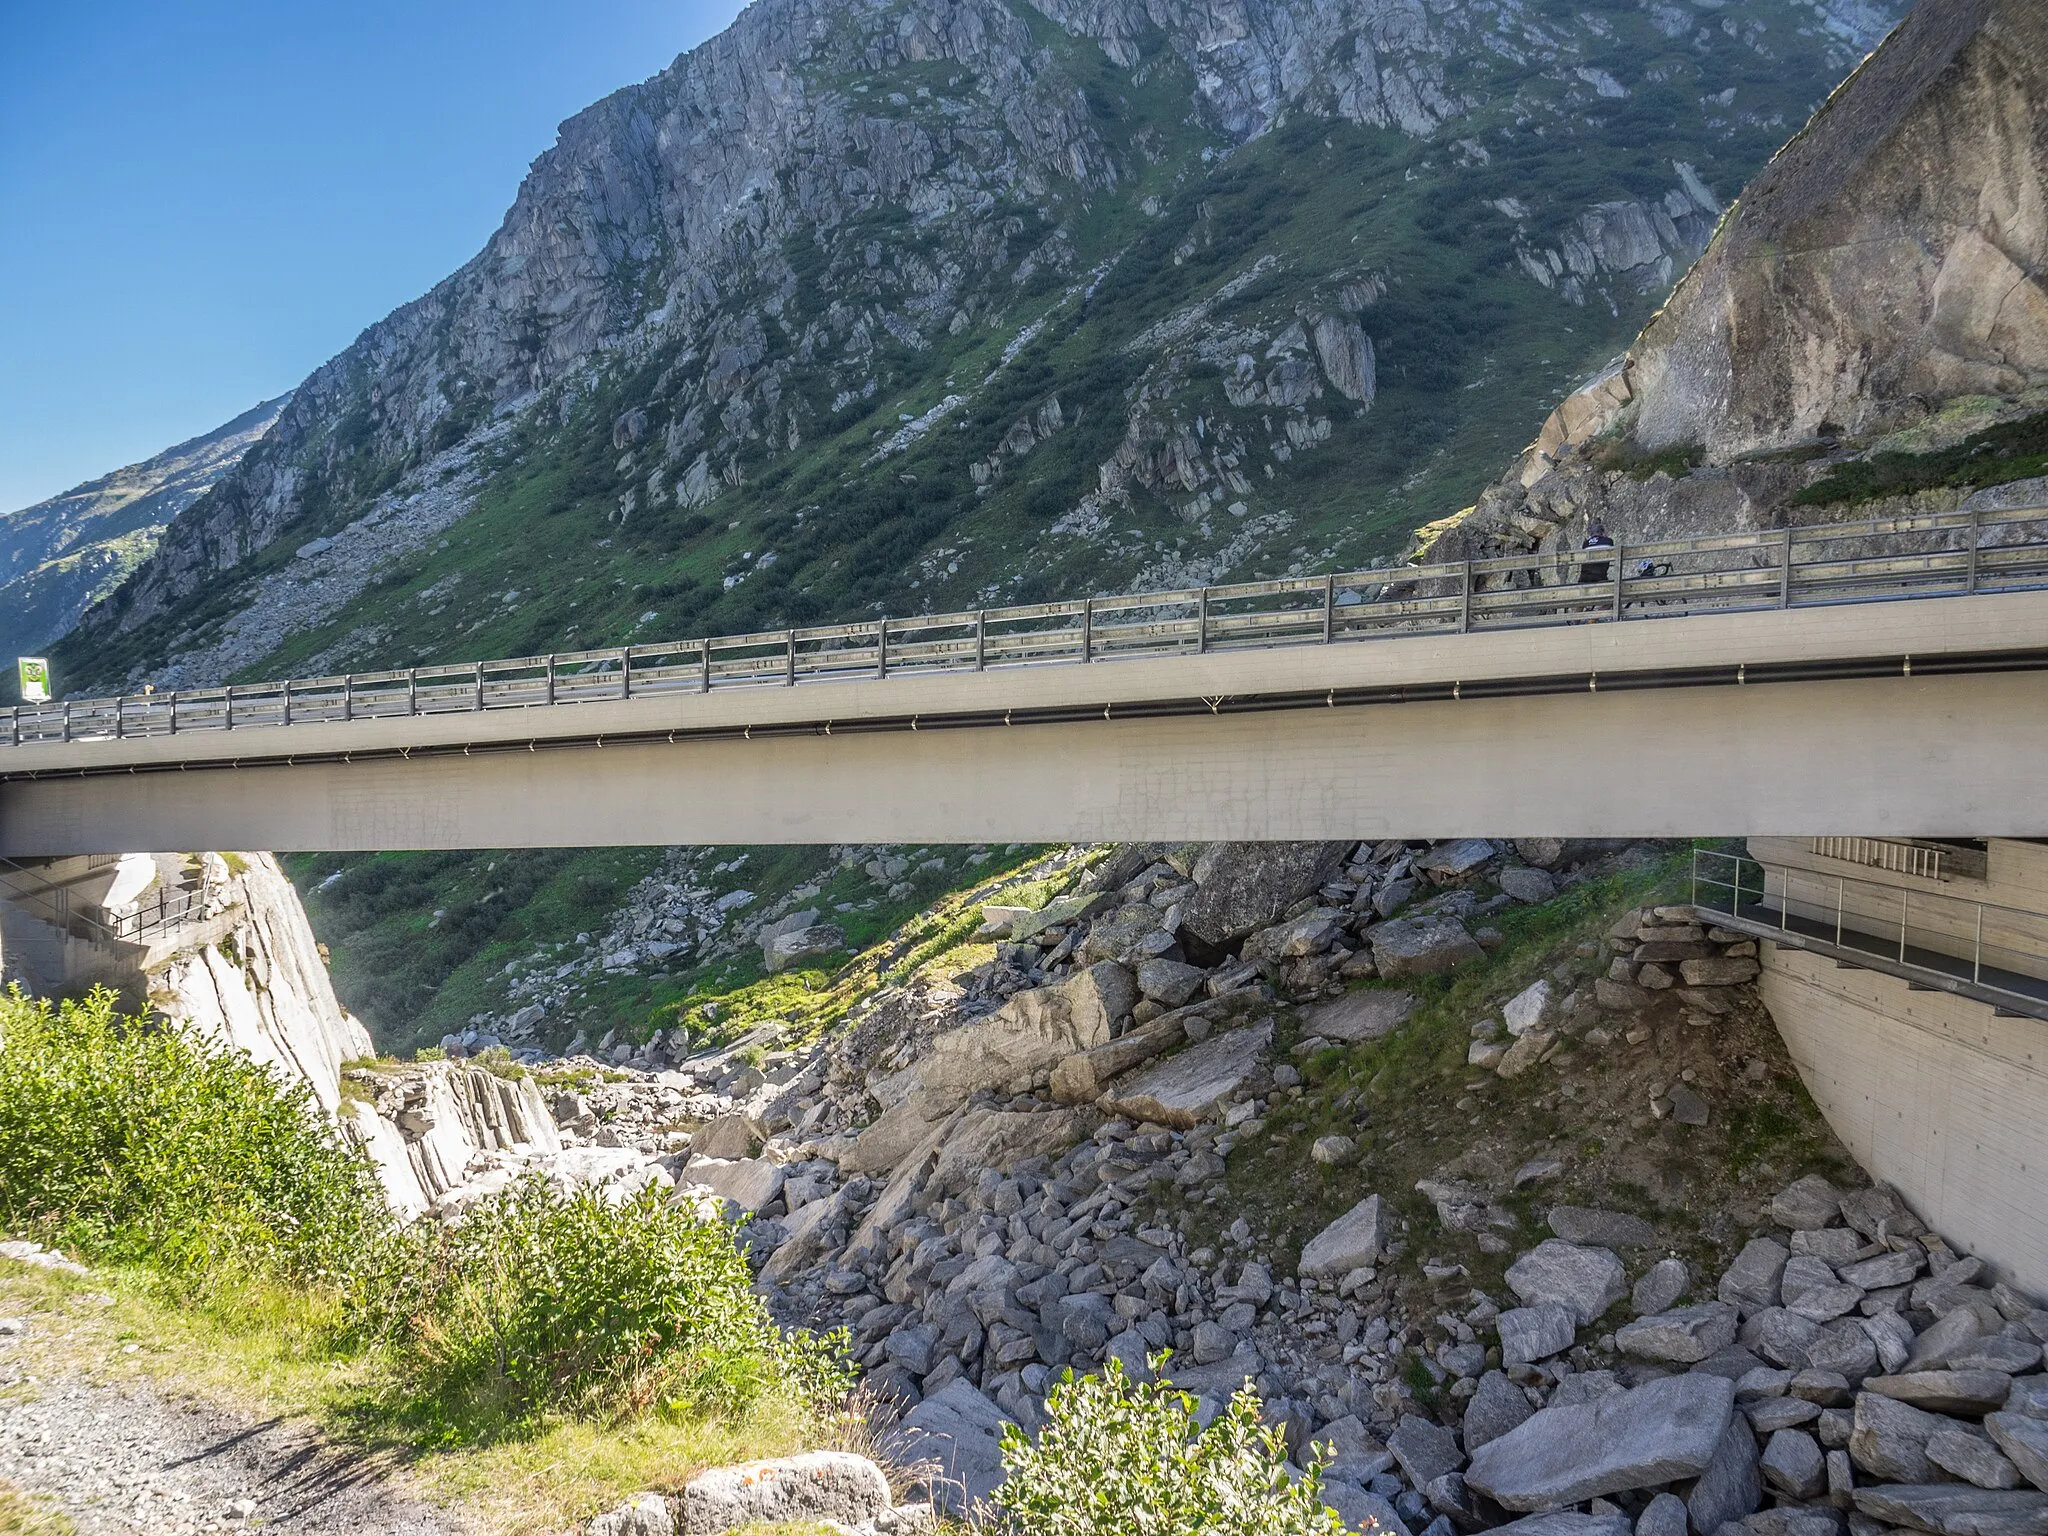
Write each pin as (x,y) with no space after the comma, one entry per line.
(541,1300)
(1124,1458)
(132,1141)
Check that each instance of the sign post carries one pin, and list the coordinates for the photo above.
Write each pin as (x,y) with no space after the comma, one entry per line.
(35,679)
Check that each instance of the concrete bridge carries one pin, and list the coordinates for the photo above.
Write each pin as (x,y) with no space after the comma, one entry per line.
(1877,677)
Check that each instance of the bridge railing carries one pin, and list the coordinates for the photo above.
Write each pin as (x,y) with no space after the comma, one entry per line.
(1933,555)
(1918,933)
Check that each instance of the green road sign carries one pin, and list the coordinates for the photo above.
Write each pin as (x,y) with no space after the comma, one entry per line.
(35,679)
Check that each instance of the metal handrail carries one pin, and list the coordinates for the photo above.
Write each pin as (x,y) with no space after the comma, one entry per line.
(1914,932)
(173,905)
(1878,560)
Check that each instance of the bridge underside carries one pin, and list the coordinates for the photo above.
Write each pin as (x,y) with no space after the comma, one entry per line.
(1925,756)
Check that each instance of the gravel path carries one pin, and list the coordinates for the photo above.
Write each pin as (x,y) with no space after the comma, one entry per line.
(122,1459)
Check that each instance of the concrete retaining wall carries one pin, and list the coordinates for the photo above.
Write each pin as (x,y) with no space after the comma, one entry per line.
(1934,1094)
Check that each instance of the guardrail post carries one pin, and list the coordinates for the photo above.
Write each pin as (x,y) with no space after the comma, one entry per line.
(1785,572)
(551,677)
(1329,609)
(981,640)
(881,647)
(120,717)
(1087,629)
(67,719)
(1618,567)
(1465,600)
(789,670)
(704,682)
(1841,902)
(1976,537)
(1202,622)
(1977,949)
(287,701)
(1904,899)
(174,714)
(348,696)
(412,690)
(625,671)
(478,702)
(230,709)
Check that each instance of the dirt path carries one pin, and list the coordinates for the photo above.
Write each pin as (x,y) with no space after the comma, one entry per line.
(120,1459)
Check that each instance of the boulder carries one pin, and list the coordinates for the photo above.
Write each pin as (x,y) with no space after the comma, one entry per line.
(1495,1408)
(1196,1085)
(1662,1284)
(1422,946)
(1357,1017)
(1793,1464)
(1958,1331)
(729,1136)
(1682,1337)
(1534,1007)
(1170,982)
(1969,1456)
(2025,1441)
(816,1485)
(2029,1397)
(1363,1511)
(1718,971)
(1731,1486)
(1807,1203)
(996,1138)
(960,1430)
(1662,1516)
(1584,1281)
(1424,1450)
(1752,1280)
(1971,1394)
(1454,860)
(644,1514)
(1058,912)
(1566,1522)
(1889,1438)
(1601,1229)
(1030,1033)
(1085,1076)
(1529,1334)
(1353,1240)
(1656,1433)
(1525,1053)
(1527,884)
(747,1183)
(1957,1509)
(893,1136)
(1242,887)
(782,950)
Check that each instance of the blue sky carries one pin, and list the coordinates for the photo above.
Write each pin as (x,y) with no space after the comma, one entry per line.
(202,200)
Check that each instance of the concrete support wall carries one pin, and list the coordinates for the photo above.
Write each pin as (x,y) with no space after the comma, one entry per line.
(1934,1094)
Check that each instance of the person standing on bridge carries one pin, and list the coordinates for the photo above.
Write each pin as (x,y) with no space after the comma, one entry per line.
(1597,538)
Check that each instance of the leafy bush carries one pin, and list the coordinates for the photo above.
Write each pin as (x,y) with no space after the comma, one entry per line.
(2012,450)
(541,1300)
(1124,1458)
(136,1142)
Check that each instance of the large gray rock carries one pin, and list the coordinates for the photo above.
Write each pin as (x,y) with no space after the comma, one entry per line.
(1422,946)
(1352,1241)
(1956,1509)
(1657,1433)
(1567,1522)
(2024,1441)
(816,1485)
(1495,1408)
(1425,1451)
(1529,1334)
(1169,982)
(1456,859)
(1601,1229)
(644,1514)
(1752,1280)
(1969,1456)
(1731,1487)
(1197,1084)
(2029,1397)
(1682,1337)
(1029,1034)
(1807,1203)
(1889,1438)
(1357,1017)
(1959,1330)
(1584,1281)
(1662,1284)
(730,1136)
(962,1431)
(1242,887)
(747,1183)
(1363,1511)
(1662,1516)
(1793,1464)
(1971,1394)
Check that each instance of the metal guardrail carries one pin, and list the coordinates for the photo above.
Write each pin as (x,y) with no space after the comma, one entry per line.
(161,907)
(1941,555)
(1928,937)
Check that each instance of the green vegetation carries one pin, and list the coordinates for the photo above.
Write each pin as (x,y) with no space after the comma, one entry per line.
(234,1229)
(540,1300)
(2013,450)
(1119,1457)
(136,1143)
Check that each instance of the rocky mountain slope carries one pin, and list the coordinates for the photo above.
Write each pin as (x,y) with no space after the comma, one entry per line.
(1868,332)
(59,557)
(921,304)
